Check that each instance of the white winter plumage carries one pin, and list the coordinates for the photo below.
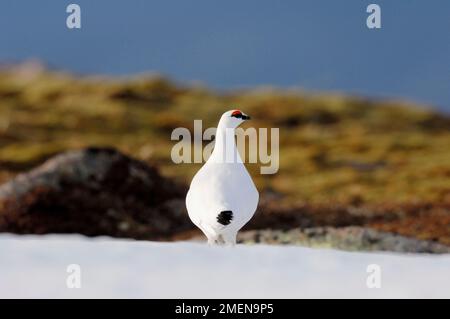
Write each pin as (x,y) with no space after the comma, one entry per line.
(222,197)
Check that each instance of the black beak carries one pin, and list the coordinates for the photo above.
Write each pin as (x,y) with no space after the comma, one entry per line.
(246,117)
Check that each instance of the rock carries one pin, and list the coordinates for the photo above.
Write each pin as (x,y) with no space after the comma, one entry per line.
(345,238)
(94,191)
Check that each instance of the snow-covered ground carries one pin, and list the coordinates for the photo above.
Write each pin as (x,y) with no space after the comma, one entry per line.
(36,266)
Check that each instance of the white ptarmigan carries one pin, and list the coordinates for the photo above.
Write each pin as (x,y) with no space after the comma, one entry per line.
(222,197)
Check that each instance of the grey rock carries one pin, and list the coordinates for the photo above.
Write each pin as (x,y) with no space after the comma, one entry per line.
(345,238)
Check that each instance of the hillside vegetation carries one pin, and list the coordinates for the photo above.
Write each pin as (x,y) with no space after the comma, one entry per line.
(334,149)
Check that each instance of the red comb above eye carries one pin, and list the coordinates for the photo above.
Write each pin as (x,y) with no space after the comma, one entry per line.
(237,112)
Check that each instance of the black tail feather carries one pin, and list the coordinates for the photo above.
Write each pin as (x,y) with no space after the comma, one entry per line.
(225,217)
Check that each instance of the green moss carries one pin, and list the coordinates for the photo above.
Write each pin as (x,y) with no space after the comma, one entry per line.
(333,147)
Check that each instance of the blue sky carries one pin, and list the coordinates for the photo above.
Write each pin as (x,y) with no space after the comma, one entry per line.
(318,45)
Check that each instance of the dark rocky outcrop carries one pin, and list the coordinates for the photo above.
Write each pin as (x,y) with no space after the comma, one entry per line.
(94,191)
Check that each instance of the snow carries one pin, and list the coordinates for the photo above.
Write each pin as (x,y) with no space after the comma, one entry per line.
(36,267)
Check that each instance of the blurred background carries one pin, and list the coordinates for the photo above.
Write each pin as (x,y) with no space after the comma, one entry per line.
(363,113)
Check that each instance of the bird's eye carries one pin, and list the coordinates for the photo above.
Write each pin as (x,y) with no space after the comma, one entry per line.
(237,114)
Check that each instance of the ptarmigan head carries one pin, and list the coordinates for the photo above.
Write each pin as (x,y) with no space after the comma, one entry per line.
(233,118)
